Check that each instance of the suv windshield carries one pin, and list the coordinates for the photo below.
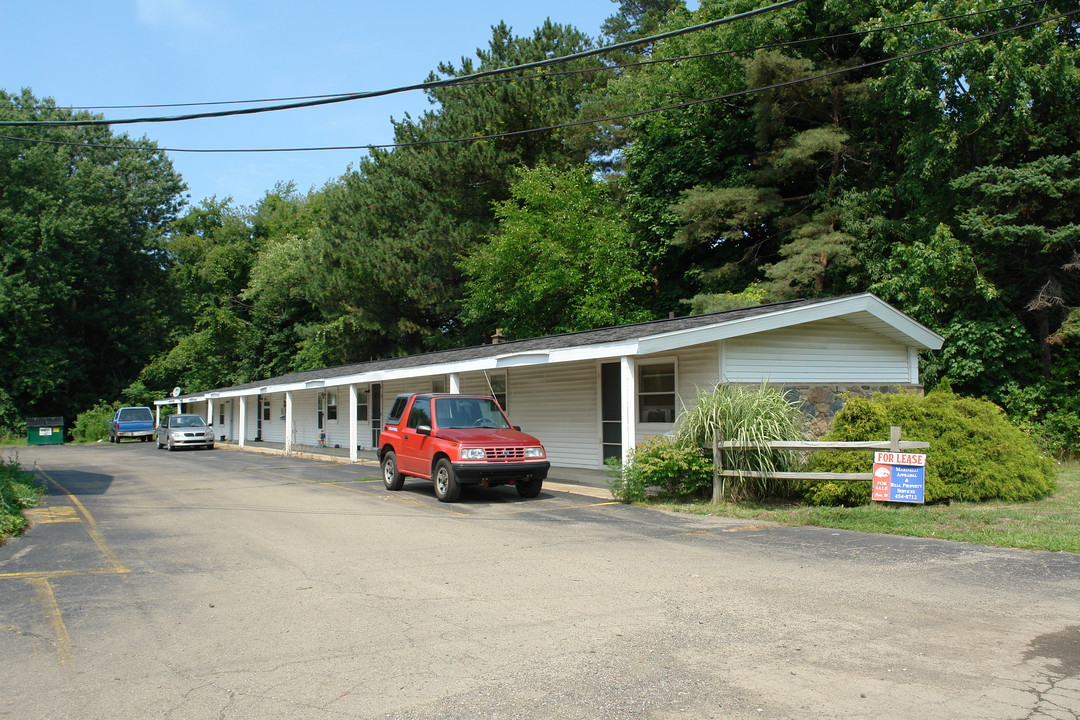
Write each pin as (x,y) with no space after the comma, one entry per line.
(465,412)
(139,413)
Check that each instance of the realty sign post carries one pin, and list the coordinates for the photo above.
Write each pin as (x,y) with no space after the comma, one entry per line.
(899,477)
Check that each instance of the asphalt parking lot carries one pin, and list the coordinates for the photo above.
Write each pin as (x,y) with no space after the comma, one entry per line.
(228,584)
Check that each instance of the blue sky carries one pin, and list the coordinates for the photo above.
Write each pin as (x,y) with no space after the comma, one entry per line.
(170,51)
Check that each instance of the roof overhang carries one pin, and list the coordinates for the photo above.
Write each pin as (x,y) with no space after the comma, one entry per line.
(866,311)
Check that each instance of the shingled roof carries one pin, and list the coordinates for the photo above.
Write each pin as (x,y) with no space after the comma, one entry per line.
(581,339)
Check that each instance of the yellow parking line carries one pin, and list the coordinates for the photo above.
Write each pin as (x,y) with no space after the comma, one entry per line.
(48,515)
(46,599)
(90,524)
(57,573)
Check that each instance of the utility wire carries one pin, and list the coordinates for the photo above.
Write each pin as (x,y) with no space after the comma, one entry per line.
(380,93)
(577,123)
(451,82)
(460,81)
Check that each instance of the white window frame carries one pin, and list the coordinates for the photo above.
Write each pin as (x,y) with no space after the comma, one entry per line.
(642,368)
(363,400)
(502,398)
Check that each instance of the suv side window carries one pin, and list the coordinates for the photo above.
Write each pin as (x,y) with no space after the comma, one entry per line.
(420,414)
(397,409)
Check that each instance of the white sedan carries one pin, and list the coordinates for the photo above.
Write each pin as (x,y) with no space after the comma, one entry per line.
(184,430)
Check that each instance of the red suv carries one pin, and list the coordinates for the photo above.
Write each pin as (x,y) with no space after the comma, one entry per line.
(456,440)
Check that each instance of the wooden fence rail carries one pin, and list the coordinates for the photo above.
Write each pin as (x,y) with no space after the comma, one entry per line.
(893,444)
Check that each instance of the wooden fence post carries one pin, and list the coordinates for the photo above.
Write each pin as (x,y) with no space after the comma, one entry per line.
(717,481)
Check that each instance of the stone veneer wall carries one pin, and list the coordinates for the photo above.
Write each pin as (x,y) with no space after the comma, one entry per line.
(820,403)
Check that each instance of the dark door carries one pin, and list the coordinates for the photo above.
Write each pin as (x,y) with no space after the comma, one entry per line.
(258,418)
(376,413)
(611,410)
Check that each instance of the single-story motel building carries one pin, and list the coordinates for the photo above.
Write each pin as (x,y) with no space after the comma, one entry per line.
(593,394)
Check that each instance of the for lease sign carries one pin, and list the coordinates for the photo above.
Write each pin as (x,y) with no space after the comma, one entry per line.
(899,477)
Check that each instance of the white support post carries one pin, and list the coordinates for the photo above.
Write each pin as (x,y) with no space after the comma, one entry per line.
(628,392)
(209,411)
(288,422)
(455,384)
(721,362)
(353,437)
(242,425)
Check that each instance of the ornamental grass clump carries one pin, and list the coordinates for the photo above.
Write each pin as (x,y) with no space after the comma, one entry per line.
(758,415)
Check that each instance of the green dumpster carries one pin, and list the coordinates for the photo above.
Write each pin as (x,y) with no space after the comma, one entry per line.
(45,431)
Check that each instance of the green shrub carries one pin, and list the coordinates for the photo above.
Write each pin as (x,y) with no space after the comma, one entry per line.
(12,424)
(18,490)
(1060,433)
(1050,412)
(975,453)
(664,466)
(759,414)
(93,424)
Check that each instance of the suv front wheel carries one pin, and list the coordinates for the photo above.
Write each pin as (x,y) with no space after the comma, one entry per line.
(392,479)
(447,487)
(529,488)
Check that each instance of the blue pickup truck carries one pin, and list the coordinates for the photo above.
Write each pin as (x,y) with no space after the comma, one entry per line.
(132,422)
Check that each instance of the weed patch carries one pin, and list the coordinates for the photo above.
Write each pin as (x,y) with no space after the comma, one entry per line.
(18,490)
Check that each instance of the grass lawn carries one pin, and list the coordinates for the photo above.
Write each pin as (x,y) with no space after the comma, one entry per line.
(1049,524)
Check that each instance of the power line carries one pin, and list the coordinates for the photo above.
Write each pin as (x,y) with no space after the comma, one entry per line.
(450,82)
(380,93)
(576,123)
(461,81)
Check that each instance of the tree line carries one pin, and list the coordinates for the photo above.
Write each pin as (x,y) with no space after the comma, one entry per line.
(946,182)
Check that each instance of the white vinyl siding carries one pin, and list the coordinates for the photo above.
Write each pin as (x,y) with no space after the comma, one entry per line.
(305,419)
(477,384)
(827,351)
(273,430)
(695,369)
(392,388)
(557,404)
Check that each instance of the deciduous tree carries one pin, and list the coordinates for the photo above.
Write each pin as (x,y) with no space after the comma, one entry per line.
(82,278)
(561,260)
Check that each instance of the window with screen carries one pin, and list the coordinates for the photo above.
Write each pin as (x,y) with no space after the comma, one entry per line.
(656,393)
(362,405)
